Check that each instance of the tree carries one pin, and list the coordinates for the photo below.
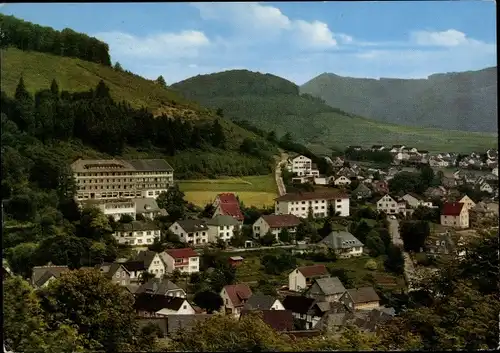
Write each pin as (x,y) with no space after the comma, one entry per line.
(371,265)
(173,201)
(326,229)
(161,81)
(426,176)
(284,236)
(54,88)
(21,258)
(414,234)
(223,275)
(220,112)
(217,134)
(310,214)
(268,239)
(103,323)
(374,244)
(208,211)
(344,276)
(395,261)
(126,218)
(275,264)
(145,276)
(238,240)
(208,300)
(361,230)
(118,67)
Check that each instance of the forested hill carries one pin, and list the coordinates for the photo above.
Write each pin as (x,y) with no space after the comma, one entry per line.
(458,101)
(274,104)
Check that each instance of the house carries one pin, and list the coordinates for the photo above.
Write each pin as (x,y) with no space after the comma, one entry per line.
(302,277)
(413,200)
(455,214)
(328,289)
(391,205)
(314,172)
(494,171)
(137,233)
(318,202)
(191,231)
(380,186)
(449,182)
(116,272)
(227,204)
(485,186)
(321,180)
(435,192)
(301,165)
(145,261)
(365,320)
(235,261)
(148,208)
(235,297)
(163,286)
(305,310)
(362,192)
(185,260)
(157,305)
(222,227)
(442,244)
(173,324)
(342,181)
(115,208)
(361,298)
(376,148)
(43,275)
(279,320)
(343,243)
(397,148)
(467,201)
(275,224)
(263,302)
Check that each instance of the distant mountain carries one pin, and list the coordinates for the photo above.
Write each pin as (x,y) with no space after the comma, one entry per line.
(459,101)
(273,103)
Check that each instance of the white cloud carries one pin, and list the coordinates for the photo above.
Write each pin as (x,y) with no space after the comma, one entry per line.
(314,34)
(448,38)
(185,44)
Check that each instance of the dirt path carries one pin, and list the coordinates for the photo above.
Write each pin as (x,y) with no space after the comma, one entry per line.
(279,180)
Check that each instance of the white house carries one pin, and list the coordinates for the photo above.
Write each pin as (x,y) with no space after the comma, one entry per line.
(302,277)
(467,201)
(156,305)
(299,204)
(148,208)
(392,205)
(275,223)
(145,261)
(301,165)
(234,297)
(343,243)
(185,260)
(263,302)
(191,231)
(342,180)
(115,208)
(221,227)
(137,233)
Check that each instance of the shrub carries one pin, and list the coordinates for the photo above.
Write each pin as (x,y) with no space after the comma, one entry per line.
(371,265)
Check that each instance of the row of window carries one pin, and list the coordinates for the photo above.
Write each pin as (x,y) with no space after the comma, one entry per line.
(139,233)
(121,173)
(123,187)
(121,180)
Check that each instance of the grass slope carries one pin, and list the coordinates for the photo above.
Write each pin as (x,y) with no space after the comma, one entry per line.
(273,103)
(456,101)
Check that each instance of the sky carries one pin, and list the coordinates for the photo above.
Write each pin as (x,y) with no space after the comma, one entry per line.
(294,40)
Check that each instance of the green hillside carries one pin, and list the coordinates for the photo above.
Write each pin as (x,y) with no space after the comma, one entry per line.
(465,101)
(239,93)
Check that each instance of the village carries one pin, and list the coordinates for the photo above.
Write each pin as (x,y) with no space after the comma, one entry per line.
(335,250)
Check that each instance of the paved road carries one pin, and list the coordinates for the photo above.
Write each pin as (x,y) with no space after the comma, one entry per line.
(409,270)
(261,248)
(279,179)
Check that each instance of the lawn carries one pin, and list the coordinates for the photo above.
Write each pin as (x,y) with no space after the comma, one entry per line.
(255,191)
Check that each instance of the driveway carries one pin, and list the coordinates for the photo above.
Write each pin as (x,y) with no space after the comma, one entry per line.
(409,270)
(279,179)
(394,231)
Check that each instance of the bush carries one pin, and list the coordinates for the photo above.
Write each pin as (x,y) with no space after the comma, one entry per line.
(422,259)
(371,265)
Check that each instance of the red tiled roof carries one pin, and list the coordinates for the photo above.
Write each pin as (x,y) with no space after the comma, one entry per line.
(182,253)
(238,293)
(316,195)
(452,208)
(313,271)
(282,220)
(227,198)
(233,210)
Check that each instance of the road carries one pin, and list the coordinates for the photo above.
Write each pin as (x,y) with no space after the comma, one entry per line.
(279,179)
(409,270)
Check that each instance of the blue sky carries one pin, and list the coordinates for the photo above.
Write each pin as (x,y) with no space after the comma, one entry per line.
(295,40)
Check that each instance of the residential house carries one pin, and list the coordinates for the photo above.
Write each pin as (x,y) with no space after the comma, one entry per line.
(145,261)
(362,192)
(438,162)
(173,324)
(300,165)
(435,192)
(222,227)
(343,243)
(161,286)
(115,208)
(235,296)
(314,172)
(157,305)
(467,201)
(148,208)
(302,277)
(328,289)
(318,202)
(116,272)
(137,233)
(365,320)
(305,310)
(342,181)
(441,244)
(455,214)
(228,205)
(415,201)
(348,172)
(185,260)
(380,186)
(361,298)
(43,275)
(321,180)
(392,205)
(279,320)
(191,231)
(263,302)
(275,224)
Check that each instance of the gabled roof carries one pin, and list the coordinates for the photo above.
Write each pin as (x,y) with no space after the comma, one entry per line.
(138,226)
(282,220)
(341,240)
(146,204)
(153,302)
(146,256)
(330,285)
(134,266)
(150,165)
(362,188)
(227,198)
(42,274)
(238,293)
(183,253)
(192,225)
(222,220)
(315,195)
(279,320)
(452,208)
(313,271)
(414,195)
(259,302)
(157,286)
(110,269)
(298,303)
(363,295)
(232,209)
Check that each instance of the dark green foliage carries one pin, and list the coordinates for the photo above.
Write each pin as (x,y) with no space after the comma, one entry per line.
(384,157)
(277,263)
(268,239)
(407,182)
(414,234)
(344,276)
(284,236)
(395,260)
(426,214)
(360,230)
(208,300)
(32,37)
(161,81)
(375,244)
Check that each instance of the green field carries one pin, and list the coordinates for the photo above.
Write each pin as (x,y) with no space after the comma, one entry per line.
(255,191)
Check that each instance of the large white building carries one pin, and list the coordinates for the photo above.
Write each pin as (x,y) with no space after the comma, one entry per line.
(191,231)
(185,260)
(298,204)
(118,178)
(147,207)
(137,233)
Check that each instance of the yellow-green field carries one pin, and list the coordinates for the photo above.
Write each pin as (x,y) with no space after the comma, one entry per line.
(255,191)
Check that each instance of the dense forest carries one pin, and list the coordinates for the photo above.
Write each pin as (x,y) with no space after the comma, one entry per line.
(32,37)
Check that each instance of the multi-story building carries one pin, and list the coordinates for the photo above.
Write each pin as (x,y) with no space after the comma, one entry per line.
(185,260)
(137,233)
(300,165)
(455,214)
(115,208)
(118,178)
(319,202)
(392,205)
(191,231)
(275,224)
